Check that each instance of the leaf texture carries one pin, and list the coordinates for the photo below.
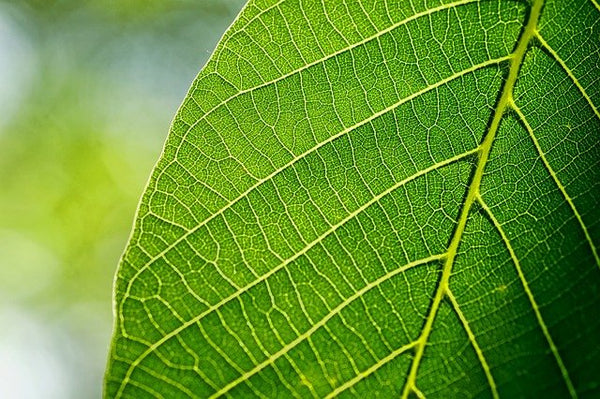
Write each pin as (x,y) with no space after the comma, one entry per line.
(375,198)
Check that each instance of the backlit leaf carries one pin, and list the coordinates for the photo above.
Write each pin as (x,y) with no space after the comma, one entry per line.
(364,198)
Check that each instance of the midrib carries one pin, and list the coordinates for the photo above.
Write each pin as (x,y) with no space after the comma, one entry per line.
(485,147)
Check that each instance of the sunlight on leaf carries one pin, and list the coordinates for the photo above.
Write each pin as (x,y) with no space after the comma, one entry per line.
(374,198)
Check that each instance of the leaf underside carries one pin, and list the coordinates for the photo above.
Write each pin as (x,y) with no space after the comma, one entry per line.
(362,198)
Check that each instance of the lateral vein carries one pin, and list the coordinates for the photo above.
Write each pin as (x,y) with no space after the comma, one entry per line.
(484,364)
(265,276)
(529,293)
(334,54)
(323,321)
(557,181)
(350,383)
(569,72)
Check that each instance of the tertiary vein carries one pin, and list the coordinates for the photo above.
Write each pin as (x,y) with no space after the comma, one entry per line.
(474,343)
(304,155)
(442,291)
(366,40)
(260,182)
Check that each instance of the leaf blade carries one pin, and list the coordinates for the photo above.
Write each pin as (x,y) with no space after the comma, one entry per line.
(263,208)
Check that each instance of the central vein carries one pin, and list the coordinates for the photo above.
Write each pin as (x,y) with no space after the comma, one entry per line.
(505,101)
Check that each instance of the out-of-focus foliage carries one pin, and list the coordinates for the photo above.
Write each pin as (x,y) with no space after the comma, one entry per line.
(87,93)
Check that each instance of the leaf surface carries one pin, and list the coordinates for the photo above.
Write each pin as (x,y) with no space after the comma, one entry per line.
(370,198)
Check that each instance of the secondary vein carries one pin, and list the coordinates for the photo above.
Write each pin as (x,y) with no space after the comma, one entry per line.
(569,72)
(282,265)
(558,183)
(476,347)
(534,305)
(323,322)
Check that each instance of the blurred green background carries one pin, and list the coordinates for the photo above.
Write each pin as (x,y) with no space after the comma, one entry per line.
(87,91)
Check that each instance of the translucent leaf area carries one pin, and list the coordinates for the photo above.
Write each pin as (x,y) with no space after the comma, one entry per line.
(371,198)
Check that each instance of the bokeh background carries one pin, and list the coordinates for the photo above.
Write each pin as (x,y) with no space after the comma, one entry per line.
(88,90)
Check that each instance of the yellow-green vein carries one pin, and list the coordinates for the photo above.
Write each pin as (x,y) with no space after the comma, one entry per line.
(323,321)
(350,383)
(285,263)
(473,190)
(484,364)
(333,54)
(557,181)
(570,73)
(529,293)
(305,154)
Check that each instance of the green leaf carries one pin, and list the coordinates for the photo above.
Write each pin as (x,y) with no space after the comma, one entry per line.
(369,198)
